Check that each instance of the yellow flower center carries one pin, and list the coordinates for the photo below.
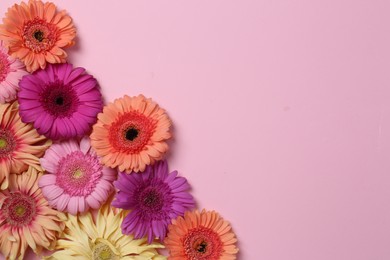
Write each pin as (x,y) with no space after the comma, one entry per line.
(103,250)
(20,210)
(3,143)
(78,174)
(7,143)
(105,255)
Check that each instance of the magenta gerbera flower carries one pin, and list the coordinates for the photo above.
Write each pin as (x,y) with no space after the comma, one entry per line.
(155,198)
(75,179)
(61,102)
(11,72)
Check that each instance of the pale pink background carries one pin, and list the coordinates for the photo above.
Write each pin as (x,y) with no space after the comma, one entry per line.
(281,111)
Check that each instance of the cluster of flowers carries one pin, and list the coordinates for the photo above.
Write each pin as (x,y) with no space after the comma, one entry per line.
(87,180)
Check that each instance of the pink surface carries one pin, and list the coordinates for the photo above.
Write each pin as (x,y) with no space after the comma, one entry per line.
(281,111)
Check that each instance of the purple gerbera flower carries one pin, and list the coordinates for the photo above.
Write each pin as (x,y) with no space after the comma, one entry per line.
(61,102)
(155,198)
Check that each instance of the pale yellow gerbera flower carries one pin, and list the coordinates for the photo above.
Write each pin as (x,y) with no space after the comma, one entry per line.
(102,239)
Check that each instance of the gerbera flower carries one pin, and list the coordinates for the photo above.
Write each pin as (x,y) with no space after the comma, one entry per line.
(20,144)
(76,181)
(85,239)
(11,71)
(155,198)
(36,33)
(203,235)
(131,133)
(26,220)
(60,101)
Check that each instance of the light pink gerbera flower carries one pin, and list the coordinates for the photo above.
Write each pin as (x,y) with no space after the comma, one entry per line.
(11,72)
(76,181)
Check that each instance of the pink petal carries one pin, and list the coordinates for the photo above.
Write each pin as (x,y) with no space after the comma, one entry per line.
(46,180)
(92,202)
(73,205)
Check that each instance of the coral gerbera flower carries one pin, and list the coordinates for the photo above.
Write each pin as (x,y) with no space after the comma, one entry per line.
(76,181)
(61,102)
(203,235)
(85,239)
(11,72)
(131,133)
(36,33)
(155,198)
(20,144)
(26,220)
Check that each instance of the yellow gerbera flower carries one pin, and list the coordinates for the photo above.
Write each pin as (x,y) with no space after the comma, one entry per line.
(86,239)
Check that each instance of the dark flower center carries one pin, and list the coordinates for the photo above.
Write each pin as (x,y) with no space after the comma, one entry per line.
(59,100)
(19,209)
(38,35)
(202,243)
(201,248)
(152,200)
(131,134)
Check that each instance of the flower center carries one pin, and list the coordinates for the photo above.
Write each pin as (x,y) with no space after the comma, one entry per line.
(39,36)
(202,243)
(4,66)
(78,173)
(7,143)
(151,200)
(131,132)
(59,100)
(19,209)
(3,143)
(102,251)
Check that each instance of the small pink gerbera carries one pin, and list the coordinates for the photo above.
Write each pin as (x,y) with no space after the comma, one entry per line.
(11,72)
(76,181)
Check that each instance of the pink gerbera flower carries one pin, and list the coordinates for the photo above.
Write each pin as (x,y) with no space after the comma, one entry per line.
(61,101)
(76,181)
(11,72)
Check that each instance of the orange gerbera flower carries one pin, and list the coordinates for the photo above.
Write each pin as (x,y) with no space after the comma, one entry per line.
(131,133)
(26,219)
(20,144)
(201,236)
(36,33)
